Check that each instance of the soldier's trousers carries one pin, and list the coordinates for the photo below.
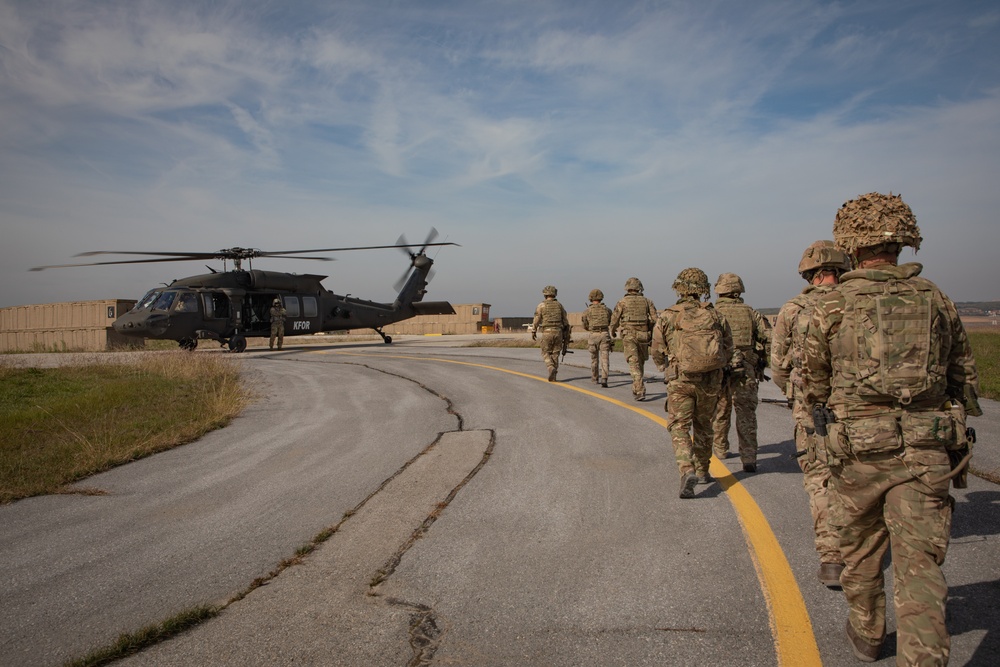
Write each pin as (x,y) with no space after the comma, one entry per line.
(816,481)
(551,347)
(743,396)
(277,332)
(691,403)
(635,344)
(896,499)
(599,344)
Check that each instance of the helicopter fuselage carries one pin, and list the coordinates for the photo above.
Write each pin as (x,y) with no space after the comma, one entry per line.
(232,306)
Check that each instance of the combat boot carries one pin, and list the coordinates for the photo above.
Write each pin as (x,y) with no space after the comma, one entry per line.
(749,467)
(688,483)
(863,651)
(552,375)
(604,383)
(829,574)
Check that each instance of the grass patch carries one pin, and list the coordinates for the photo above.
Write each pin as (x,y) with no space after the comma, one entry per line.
(986,348)
(59,425)
(133,642)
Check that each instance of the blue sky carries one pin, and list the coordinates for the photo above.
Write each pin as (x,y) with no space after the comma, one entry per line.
(573,143)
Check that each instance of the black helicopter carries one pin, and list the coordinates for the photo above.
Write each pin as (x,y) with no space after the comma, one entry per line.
(231,306)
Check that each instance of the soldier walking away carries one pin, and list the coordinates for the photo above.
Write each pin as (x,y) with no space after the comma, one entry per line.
(691,345)
(278,314)
(752,339)
(597,320)
(551,320)
(636,315)
(822,265)
(889,378)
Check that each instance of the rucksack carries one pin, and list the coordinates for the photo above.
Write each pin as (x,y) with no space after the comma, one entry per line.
(698,339)
(897,355)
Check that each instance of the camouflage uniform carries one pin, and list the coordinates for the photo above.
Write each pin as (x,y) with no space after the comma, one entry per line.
(752,338)
(887,353)
(278,314)
(551,320)
(786,371)
(691,396)
(636,315)
(597,320)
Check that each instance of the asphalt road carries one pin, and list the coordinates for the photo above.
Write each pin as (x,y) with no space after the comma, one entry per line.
(494,519)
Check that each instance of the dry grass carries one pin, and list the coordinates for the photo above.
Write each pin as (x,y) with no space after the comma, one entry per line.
(59,425)
(986,348)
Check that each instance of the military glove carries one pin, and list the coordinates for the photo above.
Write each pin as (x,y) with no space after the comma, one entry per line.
(534,336)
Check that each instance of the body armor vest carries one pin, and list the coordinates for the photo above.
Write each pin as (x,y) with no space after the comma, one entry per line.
(598,316)
(740,319)
(552,314)
(636,311)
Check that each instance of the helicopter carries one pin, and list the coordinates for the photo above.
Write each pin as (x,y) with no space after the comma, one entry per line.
(231,306)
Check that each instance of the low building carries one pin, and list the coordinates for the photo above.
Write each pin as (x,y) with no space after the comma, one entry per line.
(77,326)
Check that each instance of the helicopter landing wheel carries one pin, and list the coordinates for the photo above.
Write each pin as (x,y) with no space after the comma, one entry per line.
(388,339)
(188,344)
(237,344)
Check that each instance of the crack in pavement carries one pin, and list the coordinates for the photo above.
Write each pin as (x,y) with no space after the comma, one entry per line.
(321,610)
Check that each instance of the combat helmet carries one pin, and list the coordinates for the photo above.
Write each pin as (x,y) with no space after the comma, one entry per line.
(873,220)
(549,290)
(595,295)
(692,281)
(276,302)
(633,285)
(729,283)
(823,255)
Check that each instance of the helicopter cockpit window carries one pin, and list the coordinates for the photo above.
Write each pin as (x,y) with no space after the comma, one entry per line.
(309,308)
(165,300)
(186,303)
(291,306)
(147,300)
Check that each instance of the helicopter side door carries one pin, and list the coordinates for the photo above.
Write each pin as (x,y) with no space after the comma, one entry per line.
(301,314)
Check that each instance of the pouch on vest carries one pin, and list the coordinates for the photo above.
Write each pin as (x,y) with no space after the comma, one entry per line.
(929,429)
(872,435)
(894,337)
(835,443)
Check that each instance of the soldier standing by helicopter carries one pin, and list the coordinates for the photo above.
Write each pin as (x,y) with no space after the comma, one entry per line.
(278,315)
(551,319)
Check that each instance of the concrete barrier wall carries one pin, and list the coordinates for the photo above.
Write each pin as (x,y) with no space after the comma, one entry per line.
(74,325)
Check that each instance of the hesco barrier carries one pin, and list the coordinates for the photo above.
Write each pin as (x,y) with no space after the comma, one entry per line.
(72,326)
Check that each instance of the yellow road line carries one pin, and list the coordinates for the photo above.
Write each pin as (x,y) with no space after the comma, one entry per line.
(794,641)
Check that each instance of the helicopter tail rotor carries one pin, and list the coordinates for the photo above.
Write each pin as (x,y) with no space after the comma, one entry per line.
(418,259)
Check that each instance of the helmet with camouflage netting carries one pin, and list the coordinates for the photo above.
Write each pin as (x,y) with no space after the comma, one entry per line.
(633,285)
(692,281)
(595,295)
(549,290)
(873,220)
(729,283)
(823,255)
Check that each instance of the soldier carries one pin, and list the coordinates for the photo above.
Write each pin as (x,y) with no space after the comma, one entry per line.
(752,337)
(278,315)
(822,265)
(691,345)
(636,315)
(890,377)
(596,320)
(551,319)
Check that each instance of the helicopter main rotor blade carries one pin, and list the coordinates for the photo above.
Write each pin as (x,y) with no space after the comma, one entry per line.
(126,261)
(367,247)
(322,259)
(191,255)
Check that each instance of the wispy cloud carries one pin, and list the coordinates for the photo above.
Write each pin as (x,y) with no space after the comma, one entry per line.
(574,141)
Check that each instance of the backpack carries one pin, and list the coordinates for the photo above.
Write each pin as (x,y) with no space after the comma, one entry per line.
(740,320)
(698,339)
(897,352)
